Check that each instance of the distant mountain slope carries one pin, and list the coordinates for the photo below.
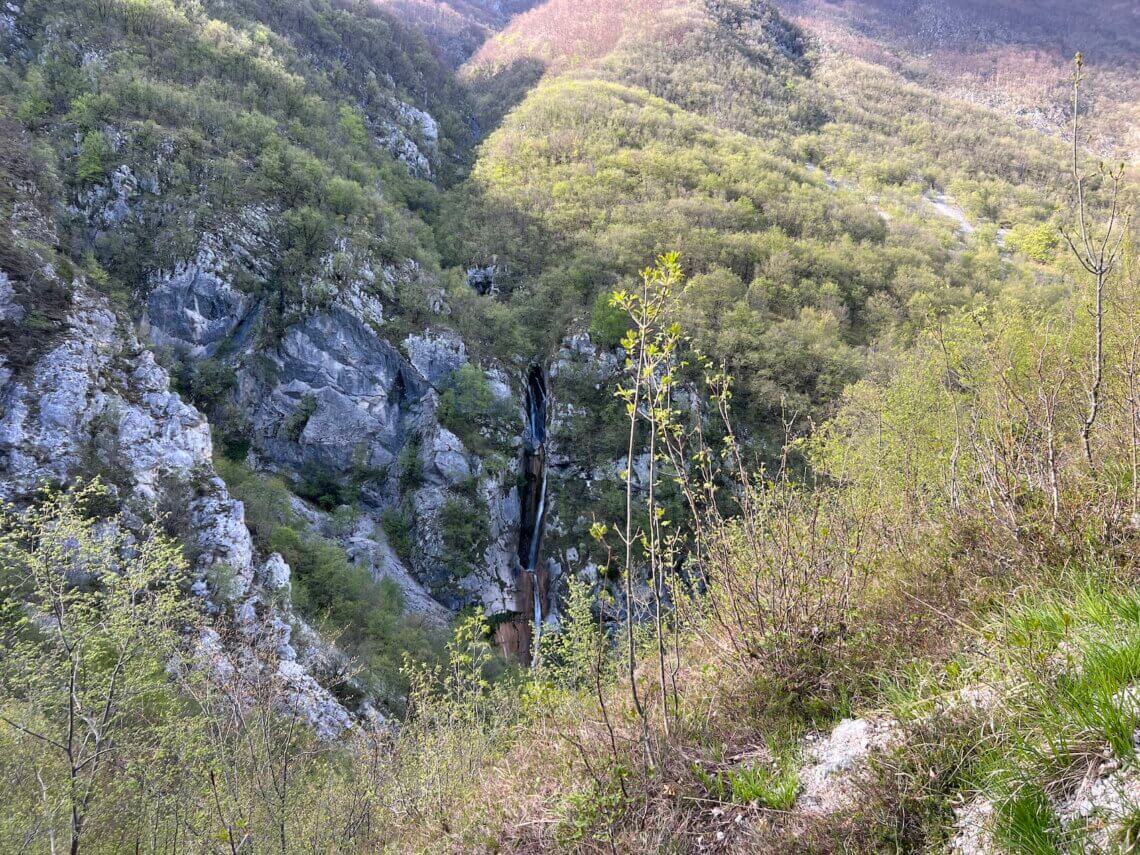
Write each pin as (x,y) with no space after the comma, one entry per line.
(823,206)
(1008,54)
(456,27)
(563,33)
(737,62)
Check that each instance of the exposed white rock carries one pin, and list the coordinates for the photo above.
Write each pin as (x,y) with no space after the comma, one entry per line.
(108,204)
(47,417)
(221,536)
(358,302)
(248,673)
(482,279)
(194,307)
(496,587)
(835,763)
(946,207)
(422,121)
(436,355)
(1108,793)
(360,389)
(500,388)
(412,136)
(8,23)
(973,831)
(276,574)
(445,459)
(303,693)
(96,394)
(159,436)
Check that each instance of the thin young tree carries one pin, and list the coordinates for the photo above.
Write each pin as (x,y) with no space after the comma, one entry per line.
(649,350)
(1097,249)
(90,619)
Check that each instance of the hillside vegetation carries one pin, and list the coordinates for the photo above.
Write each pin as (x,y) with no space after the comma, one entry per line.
(1009,55)
(837,460)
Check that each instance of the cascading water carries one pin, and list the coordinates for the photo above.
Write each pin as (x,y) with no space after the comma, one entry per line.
(533,499)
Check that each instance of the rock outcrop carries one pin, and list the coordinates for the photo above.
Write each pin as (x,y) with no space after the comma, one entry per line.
(336,397)
(836,763)
(97,404)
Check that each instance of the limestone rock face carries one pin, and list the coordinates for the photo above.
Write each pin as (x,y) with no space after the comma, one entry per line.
(412,136)
(336,398)
(197,305)
(10,310)
(333,398)
(97,403)
(436,356)
(195,309)
(340,396)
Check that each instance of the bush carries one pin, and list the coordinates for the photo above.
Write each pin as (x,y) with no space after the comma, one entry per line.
(608,324)
(94,155)
(398,531)
(465,525)
(1038,242)
(344,197)
(325,488)
(470,410)
(365,616)
(293,426)
(206,382)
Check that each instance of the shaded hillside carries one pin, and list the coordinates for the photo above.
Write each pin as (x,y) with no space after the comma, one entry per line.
(457,28)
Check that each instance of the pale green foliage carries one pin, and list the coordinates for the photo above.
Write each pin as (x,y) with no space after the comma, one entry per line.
(91,619)
(981,410)
(94,153)
(770,787)
(351,124)
(460,685)
(1035,241)
(571,657)
(1027,823)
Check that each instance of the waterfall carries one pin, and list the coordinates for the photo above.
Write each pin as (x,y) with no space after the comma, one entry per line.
(533,499)
(532,565)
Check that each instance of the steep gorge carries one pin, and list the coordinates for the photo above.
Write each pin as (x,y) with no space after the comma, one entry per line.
(290,247)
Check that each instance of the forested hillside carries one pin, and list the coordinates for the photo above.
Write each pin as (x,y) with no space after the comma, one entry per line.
(1009,55)
(665,425)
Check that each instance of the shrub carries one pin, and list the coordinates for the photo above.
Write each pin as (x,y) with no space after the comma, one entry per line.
(465,525)
(206,382)
(90,619)
(324,487)
(344,197)
(1038,242)
(398,531)
(469,409)
(94,156)
(608,324)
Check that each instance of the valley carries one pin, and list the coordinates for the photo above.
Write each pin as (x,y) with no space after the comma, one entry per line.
(316,318)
